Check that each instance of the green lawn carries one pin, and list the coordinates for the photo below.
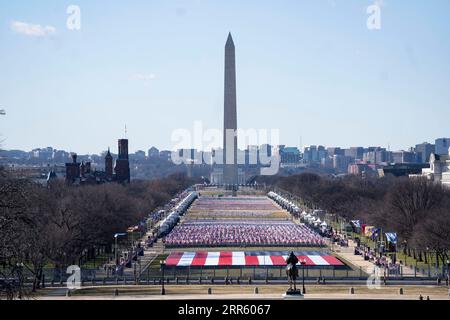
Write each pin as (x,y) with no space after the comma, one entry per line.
(98,261)
(431,259)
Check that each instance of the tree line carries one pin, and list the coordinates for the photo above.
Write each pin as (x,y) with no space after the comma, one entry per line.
(57,224)
(418,210)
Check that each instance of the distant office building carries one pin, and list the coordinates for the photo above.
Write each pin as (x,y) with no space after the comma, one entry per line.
(355,152)
(442,146)
(314,154)
(327,163)
(217,156)
(403,157)
(193,156)
(185,155)
(335,151)
(290,155)
(138,155)
(376,155)
(369,154)
(60,156)
(153,152)
(165,155)
(321,153)
(251,155)
(242,157)
(423,152)
(309,153)
(382,156)
(198,157)
(266,149)
(45,154)
(341,162)
(14,154)
(361,169)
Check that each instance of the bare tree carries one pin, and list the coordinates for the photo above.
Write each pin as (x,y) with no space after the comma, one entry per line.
(409,202)
(15,221)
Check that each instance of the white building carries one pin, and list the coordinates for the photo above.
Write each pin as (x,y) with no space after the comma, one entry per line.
(439,170)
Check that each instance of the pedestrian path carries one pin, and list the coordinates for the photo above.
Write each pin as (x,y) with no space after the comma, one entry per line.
(347,253)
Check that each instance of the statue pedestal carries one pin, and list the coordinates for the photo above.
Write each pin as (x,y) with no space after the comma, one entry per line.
(293,295)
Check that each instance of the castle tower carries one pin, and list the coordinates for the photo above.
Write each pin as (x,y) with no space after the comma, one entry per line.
(109,165)
(123,149)
(122,163)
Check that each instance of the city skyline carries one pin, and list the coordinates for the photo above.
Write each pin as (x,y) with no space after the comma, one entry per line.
(441,145)
(301,148)
(328,81)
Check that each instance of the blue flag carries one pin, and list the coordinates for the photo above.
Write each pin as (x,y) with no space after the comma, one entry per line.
(356,223)
(391,237)
(375,233)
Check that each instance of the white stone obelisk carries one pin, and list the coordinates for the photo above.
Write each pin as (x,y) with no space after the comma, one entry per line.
(230,166)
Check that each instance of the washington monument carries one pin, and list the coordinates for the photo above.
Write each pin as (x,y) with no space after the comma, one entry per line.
(230,168)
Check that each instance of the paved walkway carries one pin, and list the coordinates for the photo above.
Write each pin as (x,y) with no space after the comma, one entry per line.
(347,253)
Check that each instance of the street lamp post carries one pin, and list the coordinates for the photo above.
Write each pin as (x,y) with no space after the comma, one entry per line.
(448,274)
(303,262)
(116,262)
(135,273)
(20,267)
(163,290)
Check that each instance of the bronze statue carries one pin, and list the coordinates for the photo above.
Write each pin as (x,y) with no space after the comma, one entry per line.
(292,272)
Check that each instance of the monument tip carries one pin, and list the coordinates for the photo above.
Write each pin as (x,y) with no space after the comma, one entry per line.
(230,39)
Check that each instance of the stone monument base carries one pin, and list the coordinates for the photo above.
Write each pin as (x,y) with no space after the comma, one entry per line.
(293,294)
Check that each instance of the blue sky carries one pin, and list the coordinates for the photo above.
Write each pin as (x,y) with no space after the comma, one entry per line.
(309,68)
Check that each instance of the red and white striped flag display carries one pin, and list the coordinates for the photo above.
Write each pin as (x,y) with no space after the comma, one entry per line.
(247,259)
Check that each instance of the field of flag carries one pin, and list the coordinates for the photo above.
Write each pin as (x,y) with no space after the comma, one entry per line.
(249,259)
